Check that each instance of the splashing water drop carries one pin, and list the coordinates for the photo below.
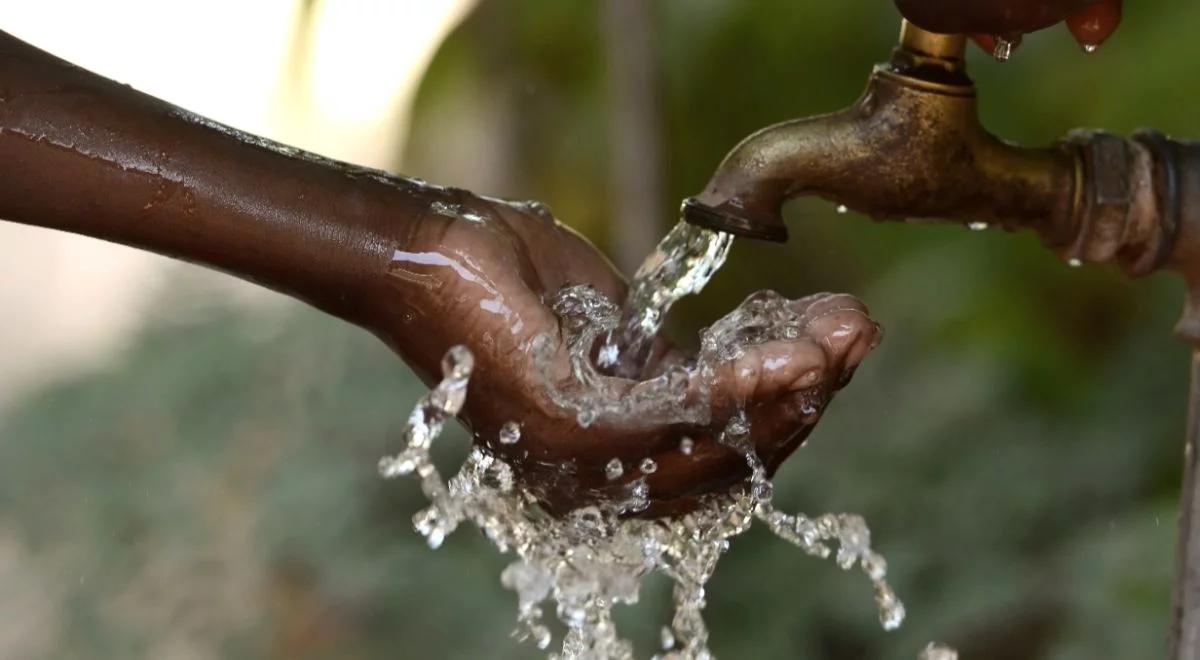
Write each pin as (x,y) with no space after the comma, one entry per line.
(1091,48)
(1004,48)
(609,355)
(613,470)
(935,651)
(891,610)
(842,209)
(977,226)
(687,446)
(458,363)
(666,638)
(1074,262)
(648,466)
(681,265)
(510,433)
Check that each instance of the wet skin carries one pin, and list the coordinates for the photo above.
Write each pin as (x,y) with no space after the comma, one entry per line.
(422,267)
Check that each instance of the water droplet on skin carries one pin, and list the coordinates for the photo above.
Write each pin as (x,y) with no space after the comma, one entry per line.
(687,446)
(891,610)
(977,226)
(510,433)
(458,363)
(648,466)
(842,209)
(586,418)
(1074,262)
(614,470)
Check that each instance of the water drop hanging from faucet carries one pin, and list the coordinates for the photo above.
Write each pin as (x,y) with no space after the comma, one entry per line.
(1005,45)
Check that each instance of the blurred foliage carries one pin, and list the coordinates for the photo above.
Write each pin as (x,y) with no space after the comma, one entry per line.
(1015,442)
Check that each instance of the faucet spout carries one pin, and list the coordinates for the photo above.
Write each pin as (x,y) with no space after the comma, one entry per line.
(910,147)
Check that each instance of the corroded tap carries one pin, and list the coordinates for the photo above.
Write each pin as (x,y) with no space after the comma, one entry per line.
(913,147)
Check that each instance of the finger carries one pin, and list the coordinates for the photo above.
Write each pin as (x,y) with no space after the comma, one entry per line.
(765,371)
(1095,24)
(846,335)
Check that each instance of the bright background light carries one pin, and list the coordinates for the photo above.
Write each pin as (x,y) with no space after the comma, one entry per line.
(340,83)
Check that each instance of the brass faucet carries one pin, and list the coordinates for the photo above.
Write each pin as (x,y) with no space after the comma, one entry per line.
(912,146)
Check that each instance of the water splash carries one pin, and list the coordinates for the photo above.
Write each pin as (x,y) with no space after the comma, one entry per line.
(595,557)
(935,651)
(677,395)
(681,265)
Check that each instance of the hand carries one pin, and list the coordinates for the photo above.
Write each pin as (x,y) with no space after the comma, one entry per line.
(485,279)
(422,267)
(1090,21)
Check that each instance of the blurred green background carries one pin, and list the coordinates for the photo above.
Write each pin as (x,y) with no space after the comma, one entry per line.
(1015,442)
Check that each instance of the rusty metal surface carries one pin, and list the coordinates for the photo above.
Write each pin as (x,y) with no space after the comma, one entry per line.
(910,147)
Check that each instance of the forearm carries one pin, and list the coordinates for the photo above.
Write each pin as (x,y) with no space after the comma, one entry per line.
(83,154)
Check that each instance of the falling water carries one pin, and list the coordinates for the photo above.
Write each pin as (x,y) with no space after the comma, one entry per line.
(681,265)
(595,557)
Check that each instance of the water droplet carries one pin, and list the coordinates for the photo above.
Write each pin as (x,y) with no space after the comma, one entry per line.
(687,446)
(510,433)
(614,470)
(1074,262)
(891,610)
(1091,48)
(586,417)
(609,355)
(977,226)
(458,363)
(874,565)
(1004,48)
(667,638)
(934,651)
(648,466)
(842,209)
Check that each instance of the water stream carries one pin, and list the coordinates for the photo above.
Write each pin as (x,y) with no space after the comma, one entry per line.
(594,558)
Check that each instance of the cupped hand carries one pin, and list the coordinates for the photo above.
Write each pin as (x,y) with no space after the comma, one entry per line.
(1091,22)
(484,273)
